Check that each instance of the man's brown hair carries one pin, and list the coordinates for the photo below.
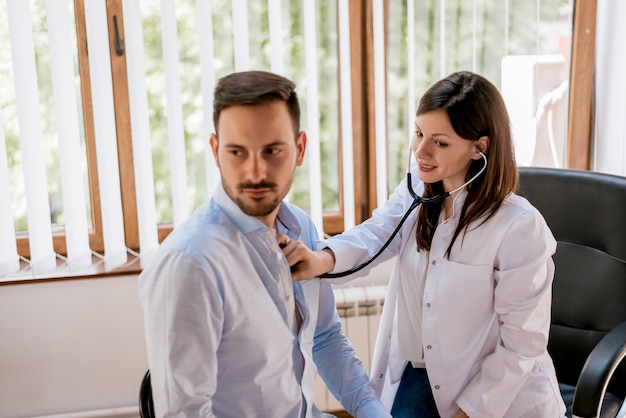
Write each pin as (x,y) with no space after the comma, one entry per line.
(249,88)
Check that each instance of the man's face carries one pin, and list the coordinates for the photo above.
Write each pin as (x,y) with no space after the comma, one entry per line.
(257,155)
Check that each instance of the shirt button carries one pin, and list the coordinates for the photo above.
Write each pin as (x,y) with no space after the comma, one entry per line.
(278,256)
(428,347)
(437,387)
(381,376)
(428,305)
(433,262)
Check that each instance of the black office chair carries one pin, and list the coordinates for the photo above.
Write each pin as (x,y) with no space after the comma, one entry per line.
(586,212)
(146,406)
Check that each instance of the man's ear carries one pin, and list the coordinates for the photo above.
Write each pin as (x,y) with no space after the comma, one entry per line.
(214,147)
(301,147)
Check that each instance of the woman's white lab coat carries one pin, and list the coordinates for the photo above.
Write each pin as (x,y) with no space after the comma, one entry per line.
(486,309)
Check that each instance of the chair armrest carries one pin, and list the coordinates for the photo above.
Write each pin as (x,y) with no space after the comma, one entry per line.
(146,405)
(597,371)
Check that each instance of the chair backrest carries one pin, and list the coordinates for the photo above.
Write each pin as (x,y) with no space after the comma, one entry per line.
(586,212)
(146,406)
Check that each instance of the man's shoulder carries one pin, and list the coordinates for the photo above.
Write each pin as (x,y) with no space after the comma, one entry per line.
(194,245)
(204,229)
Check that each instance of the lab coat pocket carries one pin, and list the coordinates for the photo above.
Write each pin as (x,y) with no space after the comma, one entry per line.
(463,305)
(466,288)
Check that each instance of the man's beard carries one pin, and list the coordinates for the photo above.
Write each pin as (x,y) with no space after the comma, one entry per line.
(258,208)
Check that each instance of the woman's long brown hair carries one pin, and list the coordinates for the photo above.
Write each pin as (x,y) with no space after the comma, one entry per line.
(475,109)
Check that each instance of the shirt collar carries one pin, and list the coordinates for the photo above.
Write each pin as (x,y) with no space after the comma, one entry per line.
(246,223)
(459,200)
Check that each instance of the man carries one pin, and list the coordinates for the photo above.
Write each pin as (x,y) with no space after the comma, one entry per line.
(228,333)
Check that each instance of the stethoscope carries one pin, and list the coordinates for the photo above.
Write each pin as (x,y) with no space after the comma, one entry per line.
(417,200)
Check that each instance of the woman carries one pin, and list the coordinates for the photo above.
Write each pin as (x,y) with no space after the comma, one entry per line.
(465,323)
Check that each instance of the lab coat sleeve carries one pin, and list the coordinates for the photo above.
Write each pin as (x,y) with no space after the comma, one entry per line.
(356,245)
(522,299)
(183,322)
(337,363)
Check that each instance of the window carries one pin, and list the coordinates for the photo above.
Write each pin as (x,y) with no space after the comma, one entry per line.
(39,48)
(143,115)
(520,46)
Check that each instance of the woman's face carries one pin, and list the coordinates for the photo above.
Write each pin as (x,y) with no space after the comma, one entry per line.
(441,154)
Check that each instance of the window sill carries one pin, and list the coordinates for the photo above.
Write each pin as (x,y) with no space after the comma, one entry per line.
(97,269)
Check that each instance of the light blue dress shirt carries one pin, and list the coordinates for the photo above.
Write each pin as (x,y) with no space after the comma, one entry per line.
(219,322)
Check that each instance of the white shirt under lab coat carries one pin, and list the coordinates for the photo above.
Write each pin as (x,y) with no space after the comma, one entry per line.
(485,313)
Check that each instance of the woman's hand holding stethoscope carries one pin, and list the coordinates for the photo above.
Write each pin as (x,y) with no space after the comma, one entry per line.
(306,263)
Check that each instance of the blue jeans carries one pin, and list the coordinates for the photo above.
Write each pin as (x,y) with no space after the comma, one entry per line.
(414,398)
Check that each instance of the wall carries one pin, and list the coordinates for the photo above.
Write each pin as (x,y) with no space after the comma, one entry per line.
(76,348)
(69,346)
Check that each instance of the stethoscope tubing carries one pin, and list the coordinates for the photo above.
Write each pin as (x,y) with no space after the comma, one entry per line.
(417,200)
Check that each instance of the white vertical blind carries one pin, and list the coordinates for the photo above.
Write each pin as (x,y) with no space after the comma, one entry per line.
(609,145)
(274,16)
(313,117)
(240,35)
(276,36)
(140,129)
(27,98)
(9,260)
(380,100)
(105,134)
(506,27)
(207,80)
(66,111)
(474,35)
(347,154)
(538,22)
(411,101)
(175,129)
(442,38)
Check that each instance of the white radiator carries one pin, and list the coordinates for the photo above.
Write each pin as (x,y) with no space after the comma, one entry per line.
(359,308)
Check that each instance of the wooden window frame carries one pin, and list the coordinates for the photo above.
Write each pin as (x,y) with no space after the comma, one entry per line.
(582,65)
(362,76)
